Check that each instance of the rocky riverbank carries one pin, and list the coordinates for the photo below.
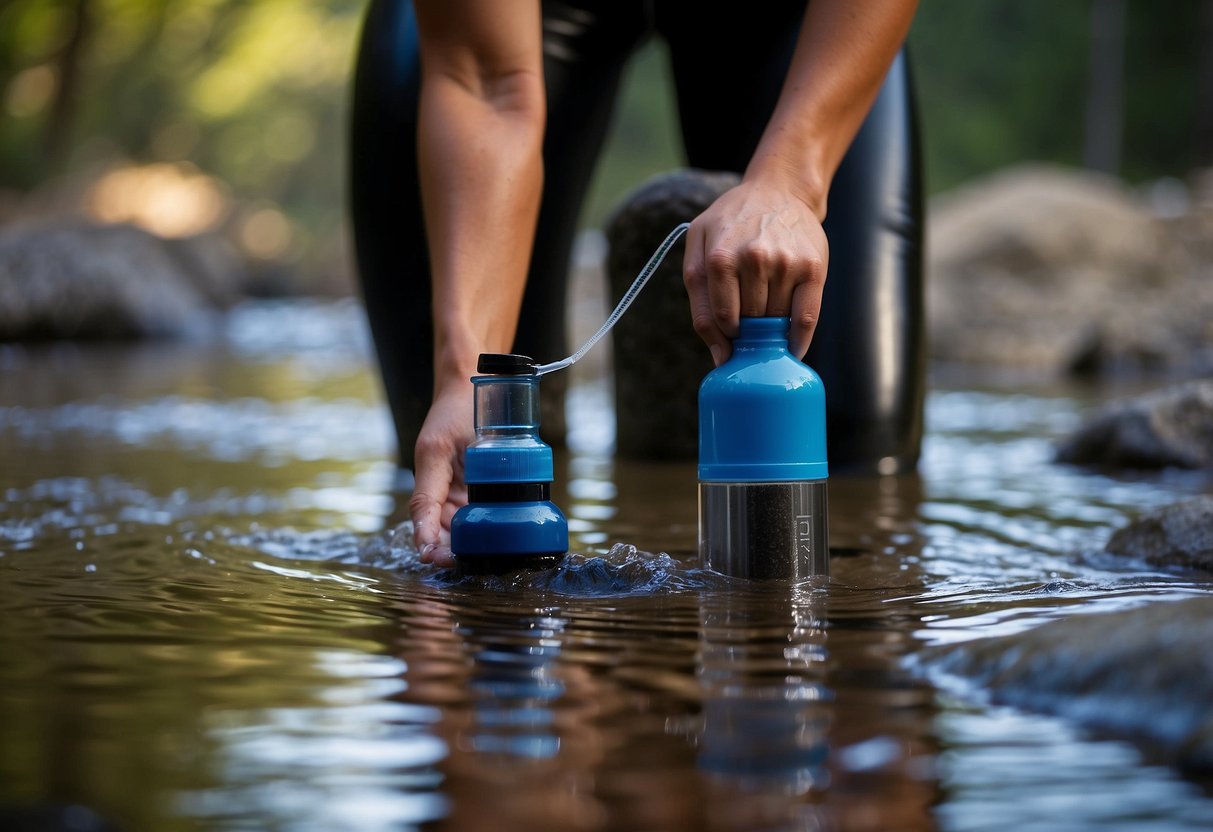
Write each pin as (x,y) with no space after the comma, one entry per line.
(80,280)
(1057,271)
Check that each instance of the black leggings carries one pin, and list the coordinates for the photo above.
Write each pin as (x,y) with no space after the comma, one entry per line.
(728,71)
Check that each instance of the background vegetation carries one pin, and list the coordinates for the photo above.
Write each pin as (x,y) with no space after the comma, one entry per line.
(249,99)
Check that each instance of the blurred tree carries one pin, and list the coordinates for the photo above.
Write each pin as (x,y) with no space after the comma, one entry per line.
(253,92)
(1162,57)
(1104,125)
(1204,89)
(1006,80)
(999,82)
(250,92)
(67,72)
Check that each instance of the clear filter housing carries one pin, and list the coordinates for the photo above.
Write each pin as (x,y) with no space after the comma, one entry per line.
(506,405)
(507,448)
(762,460)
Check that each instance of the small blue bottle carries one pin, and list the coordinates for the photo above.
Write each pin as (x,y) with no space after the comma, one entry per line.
(510,521)
(762,460)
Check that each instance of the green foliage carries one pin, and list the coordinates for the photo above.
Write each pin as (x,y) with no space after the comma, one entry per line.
(998,82)
(1001,81)
(255,93)
(250,92)
(1161,91)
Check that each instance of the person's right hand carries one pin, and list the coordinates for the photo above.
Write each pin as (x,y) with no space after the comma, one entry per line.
(440,490)
(759,249)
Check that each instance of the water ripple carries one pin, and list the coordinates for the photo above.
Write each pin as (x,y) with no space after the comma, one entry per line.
(256,643)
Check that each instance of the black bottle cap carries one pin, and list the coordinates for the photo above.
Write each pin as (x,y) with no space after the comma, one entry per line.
(506,364)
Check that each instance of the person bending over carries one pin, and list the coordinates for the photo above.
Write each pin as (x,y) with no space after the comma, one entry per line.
(475,128)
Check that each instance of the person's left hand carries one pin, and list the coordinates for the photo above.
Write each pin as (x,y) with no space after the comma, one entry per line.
(758,250)
(440,489)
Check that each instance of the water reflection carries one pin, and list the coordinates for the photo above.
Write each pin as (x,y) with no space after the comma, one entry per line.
(367,763)
(875,522)
(515,683)
(191,685)
(202,628)
(766,707)
(789,739)
(734,706)
(516,715)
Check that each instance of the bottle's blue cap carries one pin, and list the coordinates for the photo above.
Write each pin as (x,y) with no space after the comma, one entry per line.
(762,413)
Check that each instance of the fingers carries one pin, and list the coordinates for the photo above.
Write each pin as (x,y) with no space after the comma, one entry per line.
(695,277)
(439,486)
(724,286)
(441,556)
(434,473)
(755,252)
(805,307)
(806,304)
(452,505)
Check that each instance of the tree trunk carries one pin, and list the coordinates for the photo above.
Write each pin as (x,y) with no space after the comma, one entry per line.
(58,128)
(1105,89)
(1203,117)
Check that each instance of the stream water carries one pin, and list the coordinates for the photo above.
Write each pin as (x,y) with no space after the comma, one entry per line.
(211,620)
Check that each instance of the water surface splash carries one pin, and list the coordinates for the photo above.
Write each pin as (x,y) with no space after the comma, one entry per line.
(207,590)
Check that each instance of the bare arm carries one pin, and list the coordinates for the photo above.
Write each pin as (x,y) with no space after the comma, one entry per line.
(759,249)
(480,137)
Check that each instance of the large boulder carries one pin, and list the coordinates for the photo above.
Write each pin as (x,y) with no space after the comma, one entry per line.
(1060,270)
(1179,535)
(1144,673)
(77,280)
(1169,428)
(1034,218)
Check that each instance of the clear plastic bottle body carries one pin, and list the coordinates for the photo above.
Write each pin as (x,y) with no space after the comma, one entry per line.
(764,529)
(762,460)
(506,405)
(507,447)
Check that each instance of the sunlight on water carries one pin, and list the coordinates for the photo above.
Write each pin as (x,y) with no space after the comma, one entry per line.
(214,617)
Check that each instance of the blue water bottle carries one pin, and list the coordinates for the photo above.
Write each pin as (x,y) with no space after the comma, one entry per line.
(762,460)
(510,521)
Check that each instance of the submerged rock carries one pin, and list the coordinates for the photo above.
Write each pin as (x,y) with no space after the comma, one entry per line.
(1144,673)
(1168,428)
(1179,535)
(79,280)
(659,360)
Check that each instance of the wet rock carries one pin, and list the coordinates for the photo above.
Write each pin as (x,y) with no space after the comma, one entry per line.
(1172,427)
(53,818)
(1064,271)
(1150,348)
(1144,673)
(85,281)
(659,360)
(1179,535)
(216,271)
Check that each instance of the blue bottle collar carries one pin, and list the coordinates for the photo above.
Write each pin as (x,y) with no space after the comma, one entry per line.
(762,332)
